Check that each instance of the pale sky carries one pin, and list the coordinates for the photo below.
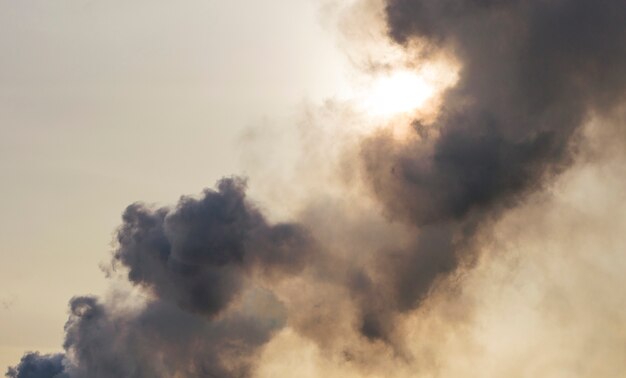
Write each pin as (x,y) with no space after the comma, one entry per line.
(103,103)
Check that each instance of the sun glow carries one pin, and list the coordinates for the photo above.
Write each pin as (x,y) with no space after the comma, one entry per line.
(397,92)
(406,92)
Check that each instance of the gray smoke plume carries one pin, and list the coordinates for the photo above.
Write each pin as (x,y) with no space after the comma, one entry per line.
(199,255)
(35,365)
(194,261)
(532,73)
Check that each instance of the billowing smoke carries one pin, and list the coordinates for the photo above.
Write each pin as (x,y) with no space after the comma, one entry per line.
(532,74)
(194,262)
(36,365)
(218,281)
(199,255)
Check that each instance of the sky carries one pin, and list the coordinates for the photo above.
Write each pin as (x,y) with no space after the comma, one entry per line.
(312,188)
(95,92)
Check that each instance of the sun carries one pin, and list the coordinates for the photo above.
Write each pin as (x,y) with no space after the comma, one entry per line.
(412,92)
(397,92)
(394,98)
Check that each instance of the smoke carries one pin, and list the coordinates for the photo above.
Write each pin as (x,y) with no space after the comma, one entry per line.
(383,274)
(36,365)
(202,316)
(199,255)
(532,72)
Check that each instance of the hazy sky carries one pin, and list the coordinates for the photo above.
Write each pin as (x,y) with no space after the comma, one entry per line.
(103,103)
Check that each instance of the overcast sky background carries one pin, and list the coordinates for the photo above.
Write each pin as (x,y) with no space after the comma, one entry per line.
(106,103)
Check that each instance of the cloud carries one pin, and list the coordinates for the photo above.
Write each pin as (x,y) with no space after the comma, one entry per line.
(34,365)
(532,73)
(202,266)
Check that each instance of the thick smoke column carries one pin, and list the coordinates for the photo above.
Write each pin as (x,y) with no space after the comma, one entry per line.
(532,72)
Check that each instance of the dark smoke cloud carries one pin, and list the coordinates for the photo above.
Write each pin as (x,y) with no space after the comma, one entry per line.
(199,254)
(532,72)
(34,365)
(204,317)
(162,340)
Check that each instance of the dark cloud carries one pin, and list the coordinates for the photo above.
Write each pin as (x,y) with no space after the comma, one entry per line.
(199,253)
(203,264)
(34,365)
(162,340)
(532,72)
